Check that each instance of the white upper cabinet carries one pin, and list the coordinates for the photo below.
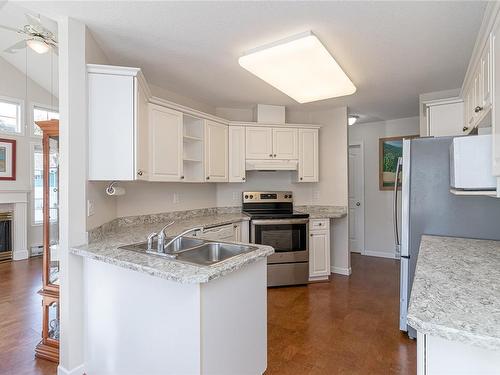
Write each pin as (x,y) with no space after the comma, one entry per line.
(486,79)
(114,112)
(445,118)
(165,144)
(259,143)
(216,152)
(308,155)
(285,143)
(237,154)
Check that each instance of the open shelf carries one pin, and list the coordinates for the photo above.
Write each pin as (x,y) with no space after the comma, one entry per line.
(487,193)
(191,138)
(192,160)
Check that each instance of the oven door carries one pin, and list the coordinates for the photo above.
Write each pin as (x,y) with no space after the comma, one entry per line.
(288,237)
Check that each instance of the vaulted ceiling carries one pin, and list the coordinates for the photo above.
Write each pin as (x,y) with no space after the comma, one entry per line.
(393,51)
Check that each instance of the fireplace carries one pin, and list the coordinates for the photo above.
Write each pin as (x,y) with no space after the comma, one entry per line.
(5,236)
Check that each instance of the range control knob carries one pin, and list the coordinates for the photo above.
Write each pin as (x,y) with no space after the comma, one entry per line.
(251,196)
(246,196)
(290,196)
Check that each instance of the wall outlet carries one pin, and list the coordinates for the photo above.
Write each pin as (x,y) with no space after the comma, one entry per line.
(236,196)
(315,197)
(90,208)
(176,198)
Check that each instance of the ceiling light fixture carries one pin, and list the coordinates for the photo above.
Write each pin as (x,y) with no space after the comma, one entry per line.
(299,66)
(351,120)
(38,45)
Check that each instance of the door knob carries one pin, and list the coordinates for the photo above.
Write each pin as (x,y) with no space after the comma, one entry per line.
(358,204)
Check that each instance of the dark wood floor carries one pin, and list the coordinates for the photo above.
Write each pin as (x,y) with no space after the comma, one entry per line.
(346,326)
(21,318)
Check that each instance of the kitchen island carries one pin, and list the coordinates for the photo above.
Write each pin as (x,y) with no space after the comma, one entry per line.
(455,306)
(147,314)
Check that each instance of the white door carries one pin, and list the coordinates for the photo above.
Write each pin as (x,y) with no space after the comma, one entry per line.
(259,143)
(216,152)
(237,154)
(285,143)
(319,259)
(165,144)
(356,199)
(308,170)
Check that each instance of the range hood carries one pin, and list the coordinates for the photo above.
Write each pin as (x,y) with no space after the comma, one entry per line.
(271,165)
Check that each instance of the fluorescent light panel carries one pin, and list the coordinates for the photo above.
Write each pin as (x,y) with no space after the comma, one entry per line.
(300,67)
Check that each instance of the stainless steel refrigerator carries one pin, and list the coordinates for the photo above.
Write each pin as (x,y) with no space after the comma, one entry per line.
(428,207)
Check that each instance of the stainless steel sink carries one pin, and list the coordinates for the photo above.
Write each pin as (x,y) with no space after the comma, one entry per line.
(212,253)
(195,251)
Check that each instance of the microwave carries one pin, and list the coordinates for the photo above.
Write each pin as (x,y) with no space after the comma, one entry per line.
(471,163)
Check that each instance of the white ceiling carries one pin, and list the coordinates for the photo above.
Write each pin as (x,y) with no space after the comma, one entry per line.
(39,67)
(392,51)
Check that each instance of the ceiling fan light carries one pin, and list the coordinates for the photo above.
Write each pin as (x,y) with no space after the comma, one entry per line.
(351,120)
(38,45)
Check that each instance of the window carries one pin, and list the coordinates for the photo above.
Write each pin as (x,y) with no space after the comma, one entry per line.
(10,116)
(37,192)
(42,114)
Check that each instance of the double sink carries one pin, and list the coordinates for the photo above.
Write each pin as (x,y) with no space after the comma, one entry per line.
(194,251)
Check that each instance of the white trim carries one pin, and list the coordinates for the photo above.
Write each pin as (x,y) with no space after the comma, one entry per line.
(380,254)
(22,115)
(32,191)
(341,270)
(78,370)
(362,152)
(20,254)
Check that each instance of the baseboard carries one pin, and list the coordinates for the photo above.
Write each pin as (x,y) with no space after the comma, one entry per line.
(20,254)
(380,254)
(341,270)
(78,370)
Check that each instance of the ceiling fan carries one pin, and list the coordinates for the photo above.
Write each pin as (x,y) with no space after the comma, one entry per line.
(35,36)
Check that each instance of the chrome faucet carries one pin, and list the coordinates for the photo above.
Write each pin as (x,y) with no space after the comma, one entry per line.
(161,238)
(187,231)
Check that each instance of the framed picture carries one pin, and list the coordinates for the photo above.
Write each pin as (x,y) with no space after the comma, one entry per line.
(7,159)
(390,149)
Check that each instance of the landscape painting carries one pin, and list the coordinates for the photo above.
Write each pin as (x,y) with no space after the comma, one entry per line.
(390,149)
(7,159)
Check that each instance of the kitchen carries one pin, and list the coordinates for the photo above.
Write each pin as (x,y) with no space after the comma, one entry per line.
(208,205)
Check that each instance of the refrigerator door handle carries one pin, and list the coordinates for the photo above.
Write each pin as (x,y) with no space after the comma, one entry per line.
(395,204)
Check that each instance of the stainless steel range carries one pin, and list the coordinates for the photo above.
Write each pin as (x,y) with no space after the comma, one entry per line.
(275,223)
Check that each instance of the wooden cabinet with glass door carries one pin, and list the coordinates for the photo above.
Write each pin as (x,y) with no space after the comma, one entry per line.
(48,347)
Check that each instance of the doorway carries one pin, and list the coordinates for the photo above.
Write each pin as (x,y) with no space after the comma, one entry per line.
(356,199)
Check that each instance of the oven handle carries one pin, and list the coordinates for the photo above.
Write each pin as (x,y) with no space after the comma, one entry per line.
(279,221)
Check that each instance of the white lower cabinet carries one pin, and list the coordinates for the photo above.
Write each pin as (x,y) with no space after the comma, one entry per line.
(319,249)
(216,152)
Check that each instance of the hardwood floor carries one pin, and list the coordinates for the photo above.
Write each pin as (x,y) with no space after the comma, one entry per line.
(346,326)
(21,318)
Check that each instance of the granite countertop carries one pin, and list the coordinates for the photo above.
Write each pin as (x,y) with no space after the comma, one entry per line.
(106,249)
(323,212)
(456,290)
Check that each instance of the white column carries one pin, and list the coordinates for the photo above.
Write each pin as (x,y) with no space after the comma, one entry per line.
(73,175)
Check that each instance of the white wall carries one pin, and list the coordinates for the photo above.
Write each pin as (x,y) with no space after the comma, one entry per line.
(379,238)
(13,85)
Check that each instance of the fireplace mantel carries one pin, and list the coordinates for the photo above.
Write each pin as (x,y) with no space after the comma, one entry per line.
(18,201)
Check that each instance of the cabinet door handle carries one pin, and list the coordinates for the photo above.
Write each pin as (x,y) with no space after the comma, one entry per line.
(182,177)
(208,177)
(478,109)
(243,178)
(320,224)
(271,155)
(301,179)
(274,155)
(311,234)
(465,128)
(139,172)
